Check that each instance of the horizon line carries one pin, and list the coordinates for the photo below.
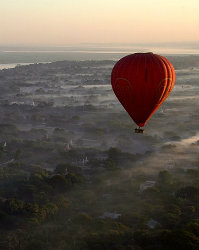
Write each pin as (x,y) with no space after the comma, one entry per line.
(106,43)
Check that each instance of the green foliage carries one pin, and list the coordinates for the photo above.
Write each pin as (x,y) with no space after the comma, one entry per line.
(113,153)
(110,240)
(146,238)
(18,153)
(110,164)
(179,240)
(164,178)
(83,218)
(166,239)
(66,168)
(61,210)
(14,206)
(188,193)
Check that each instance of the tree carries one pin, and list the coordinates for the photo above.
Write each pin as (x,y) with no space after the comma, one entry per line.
(59,183)
(164,178)
(146,239)
(113,153)
(118,239)
(14,206)
(18,153)
(51,209)
(13,241)
(179,240)
(66,168)
(109,164)
(193,227)
(188,193)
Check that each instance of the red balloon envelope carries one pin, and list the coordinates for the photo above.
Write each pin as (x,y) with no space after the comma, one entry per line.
(142,82)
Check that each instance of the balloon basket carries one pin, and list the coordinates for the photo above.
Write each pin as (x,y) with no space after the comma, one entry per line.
(139,131)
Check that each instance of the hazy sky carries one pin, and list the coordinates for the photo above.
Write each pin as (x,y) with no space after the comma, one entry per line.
(62,22)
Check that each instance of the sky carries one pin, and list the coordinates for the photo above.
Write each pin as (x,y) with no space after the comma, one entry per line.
(62,22)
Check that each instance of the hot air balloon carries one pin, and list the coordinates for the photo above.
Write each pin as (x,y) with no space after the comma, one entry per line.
(142,82)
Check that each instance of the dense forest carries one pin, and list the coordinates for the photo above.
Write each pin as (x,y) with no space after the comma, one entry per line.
(64,210)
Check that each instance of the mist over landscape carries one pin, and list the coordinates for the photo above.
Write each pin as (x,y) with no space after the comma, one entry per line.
(74,175)
(10,56)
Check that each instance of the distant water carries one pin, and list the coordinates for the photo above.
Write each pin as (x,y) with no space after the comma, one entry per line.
(12,65)
(10,57)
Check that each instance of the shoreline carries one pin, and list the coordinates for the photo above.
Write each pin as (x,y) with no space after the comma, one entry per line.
(80,58)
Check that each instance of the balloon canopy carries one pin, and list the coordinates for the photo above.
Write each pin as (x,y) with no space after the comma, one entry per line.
(142,82)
